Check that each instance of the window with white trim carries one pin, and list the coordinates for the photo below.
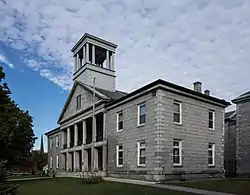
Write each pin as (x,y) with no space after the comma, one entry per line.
(177,115)
(57,161)
(50,143)
(211,119)
(211,154)
(141,153)
(78,102)
(51,162)
(141,114)
(57,141)
(177,152)
(120,121)
(119,155)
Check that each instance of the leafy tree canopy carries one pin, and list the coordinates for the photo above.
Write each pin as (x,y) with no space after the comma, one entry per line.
(16,134)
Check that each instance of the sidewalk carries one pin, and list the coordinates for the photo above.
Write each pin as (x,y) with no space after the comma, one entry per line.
(28,178)
(171,187)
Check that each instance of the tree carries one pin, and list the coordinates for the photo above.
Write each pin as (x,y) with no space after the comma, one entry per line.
(16,134)
(39,159)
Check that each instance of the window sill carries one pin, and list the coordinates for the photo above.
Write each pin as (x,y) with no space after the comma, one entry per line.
(120,130)
(210,129)
(177,165)
(211,166)
(119,166)
(141,125)
(179,124)
(141,166)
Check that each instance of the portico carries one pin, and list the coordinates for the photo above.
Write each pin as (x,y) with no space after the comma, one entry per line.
(80,140)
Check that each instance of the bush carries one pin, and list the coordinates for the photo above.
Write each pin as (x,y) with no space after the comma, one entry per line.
(8,189)
(93,180)
(3,171)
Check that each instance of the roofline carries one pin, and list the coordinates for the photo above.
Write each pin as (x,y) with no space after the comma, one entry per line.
(172,85)
(232,115)
(95,38)
(240,99)
(53,131)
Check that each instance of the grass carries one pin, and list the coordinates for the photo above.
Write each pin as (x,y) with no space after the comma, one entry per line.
(233,186)
(70,186)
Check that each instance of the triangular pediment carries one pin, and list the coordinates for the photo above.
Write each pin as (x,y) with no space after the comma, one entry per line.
(86,92)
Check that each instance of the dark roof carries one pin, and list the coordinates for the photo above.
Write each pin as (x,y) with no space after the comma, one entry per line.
(242,97)
(113,95)
(174,86)
(52,131)
(92,37)
(229,114)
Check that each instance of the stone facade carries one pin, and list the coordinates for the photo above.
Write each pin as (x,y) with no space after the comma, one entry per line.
(243,138)
(159,133)
(54,151)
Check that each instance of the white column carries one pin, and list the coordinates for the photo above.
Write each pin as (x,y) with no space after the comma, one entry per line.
(93,54)
(76,161)
(77,59)
(84,160)
(84,132)
(113,61)
(107,59)
(104,126)
(68,137)
(67,161)
(94,130)
(104,157)
(84,54)
(75,63)
(87,52)
(62,139)
(76,134)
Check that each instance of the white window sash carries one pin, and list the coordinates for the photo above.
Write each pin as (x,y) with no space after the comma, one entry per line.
(139,147)
(213,119)
(139,114)
(117,122)
(180,112)
(213,155)
(117,156)
(179,147)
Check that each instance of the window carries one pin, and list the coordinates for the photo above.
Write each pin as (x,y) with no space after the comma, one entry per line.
(141,153)
(50,143)
(177,152)
(51,162)
(211,156)
(177,112)
(141,114)
(78,102)
(57,161)
(57,141)
(211,119)
(119,155)
(120,121)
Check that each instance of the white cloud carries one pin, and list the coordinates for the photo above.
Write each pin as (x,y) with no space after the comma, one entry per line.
(6,61)
(178,40)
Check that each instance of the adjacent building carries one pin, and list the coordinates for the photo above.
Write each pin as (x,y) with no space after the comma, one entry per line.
(242,129)
(160,131)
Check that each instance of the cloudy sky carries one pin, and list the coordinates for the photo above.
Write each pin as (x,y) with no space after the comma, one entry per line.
(181,41)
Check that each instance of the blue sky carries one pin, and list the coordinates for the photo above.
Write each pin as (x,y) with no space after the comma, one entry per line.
(181,41)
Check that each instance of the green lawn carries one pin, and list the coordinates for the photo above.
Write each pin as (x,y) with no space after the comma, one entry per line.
(231,186)
(70,186)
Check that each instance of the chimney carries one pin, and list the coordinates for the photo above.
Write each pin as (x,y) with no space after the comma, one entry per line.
(207,92)
(197,86)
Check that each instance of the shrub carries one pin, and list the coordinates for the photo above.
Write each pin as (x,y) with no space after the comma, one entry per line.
(3,171)
(92,180)
(8,189)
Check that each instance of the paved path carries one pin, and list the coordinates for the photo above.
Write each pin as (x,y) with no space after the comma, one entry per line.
(171,187)
(28,178)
